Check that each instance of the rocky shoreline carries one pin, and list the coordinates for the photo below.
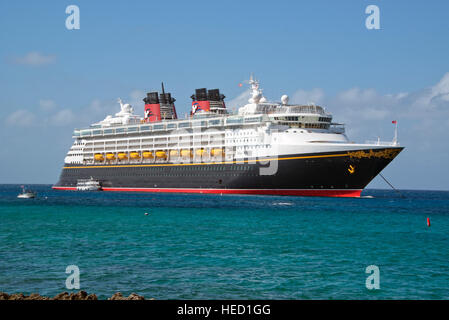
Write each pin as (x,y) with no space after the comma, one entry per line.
(82,295)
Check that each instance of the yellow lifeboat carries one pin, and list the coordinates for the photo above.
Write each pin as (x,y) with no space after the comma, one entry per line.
(147,154)
(134,155)
(174,153)
(200,152)
(110,156)
(122,156)
(217,152)
(99,157)
(161,154)
(186,153)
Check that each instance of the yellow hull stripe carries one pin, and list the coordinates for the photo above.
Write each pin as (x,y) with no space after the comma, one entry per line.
(208,163)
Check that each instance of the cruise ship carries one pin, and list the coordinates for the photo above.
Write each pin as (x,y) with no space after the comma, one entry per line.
(263,148)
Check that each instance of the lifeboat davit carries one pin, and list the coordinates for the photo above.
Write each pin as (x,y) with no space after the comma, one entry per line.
(161,154)
(99,157)
(217,152)
(134,155)
(110,156)
(122,156)
(186,153)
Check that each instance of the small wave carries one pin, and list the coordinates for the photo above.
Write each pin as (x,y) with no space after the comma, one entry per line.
(367,197)
(282,203)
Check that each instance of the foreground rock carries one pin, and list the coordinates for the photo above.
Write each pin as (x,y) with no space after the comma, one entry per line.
(132,296)
(82,295)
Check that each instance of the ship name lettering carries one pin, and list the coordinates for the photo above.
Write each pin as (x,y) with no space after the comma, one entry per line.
(385,154)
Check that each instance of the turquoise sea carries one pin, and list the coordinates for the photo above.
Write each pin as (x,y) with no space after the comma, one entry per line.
(225,247)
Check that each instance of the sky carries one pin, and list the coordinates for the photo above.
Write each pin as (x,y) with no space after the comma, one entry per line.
(53,79)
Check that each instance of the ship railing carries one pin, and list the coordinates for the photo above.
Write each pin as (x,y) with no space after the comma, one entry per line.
(161,126)
(382,143)
(337,128)
(311,109)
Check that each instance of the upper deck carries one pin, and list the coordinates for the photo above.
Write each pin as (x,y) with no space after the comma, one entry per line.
(301,120)
(258,112)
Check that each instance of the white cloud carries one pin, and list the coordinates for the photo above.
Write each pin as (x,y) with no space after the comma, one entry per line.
(315,96)
(441,89)
(136,99)
(423,115)
(20,118)
(401,95)
(98,109)
(238,101)
(36,118)
(34,58)
(356,95)
(62,117)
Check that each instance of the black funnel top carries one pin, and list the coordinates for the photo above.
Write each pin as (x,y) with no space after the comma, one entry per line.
(166,98)
(214,95)
(201,94)
(152,98)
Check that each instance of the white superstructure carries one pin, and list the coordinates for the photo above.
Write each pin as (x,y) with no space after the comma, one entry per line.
(259,129)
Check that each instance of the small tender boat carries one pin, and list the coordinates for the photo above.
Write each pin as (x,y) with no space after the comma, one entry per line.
(99,157)
(26,194)
(122,156)
(134,155)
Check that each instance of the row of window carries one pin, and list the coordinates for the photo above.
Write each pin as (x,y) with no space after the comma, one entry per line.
(298,118)
(306,125)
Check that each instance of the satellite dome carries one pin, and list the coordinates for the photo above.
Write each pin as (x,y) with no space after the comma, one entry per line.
(284,99)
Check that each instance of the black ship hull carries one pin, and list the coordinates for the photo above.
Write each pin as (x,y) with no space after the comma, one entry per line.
(337,174)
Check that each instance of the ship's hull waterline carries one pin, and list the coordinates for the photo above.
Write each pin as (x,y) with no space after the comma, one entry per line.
(334,174)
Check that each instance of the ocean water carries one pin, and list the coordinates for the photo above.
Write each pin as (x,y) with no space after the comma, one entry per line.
(225,247)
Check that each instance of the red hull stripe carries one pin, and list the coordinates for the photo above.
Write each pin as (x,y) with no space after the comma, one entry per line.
(64,188)
(283,192)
